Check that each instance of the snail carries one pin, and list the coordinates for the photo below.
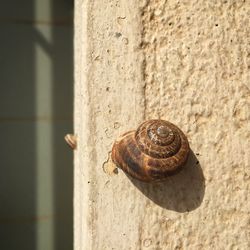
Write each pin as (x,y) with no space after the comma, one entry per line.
(71,140)
(156,150)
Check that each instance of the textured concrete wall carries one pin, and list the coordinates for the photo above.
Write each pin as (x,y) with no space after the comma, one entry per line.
(183,61)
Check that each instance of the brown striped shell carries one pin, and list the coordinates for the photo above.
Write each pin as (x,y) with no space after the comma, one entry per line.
(156,150)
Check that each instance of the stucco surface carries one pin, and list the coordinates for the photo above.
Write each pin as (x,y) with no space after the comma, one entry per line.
(183,61)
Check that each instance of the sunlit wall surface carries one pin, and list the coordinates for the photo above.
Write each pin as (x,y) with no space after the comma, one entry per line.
(36,83)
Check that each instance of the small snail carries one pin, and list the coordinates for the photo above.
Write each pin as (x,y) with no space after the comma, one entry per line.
(156,150)
(71,140)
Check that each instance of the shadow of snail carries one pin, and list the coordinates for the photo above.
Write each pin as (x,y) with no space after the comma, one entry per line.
(159,162)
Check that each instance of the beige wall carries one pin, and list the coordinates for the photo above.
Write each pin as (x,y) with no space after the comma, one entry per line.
(183,61)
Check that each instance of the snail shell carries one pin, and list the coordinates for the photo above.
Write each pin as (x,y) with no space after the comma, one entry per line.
(71,140)
(156,150)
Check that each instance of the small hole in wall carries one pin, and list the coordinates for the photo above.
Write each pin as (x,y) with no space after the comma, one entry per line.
(216,24)
(118,34)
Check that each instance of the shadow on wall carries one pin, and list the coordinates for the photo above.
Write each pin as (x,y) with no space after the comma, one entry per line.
(182,192)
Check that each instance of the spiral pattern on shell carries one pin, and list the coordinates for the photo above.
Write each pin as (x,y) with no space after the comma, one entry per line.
(156,150)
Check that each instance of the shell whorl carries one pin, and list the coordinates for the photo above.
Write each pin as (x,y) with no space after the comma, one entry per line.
(158,138)
(154,151)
